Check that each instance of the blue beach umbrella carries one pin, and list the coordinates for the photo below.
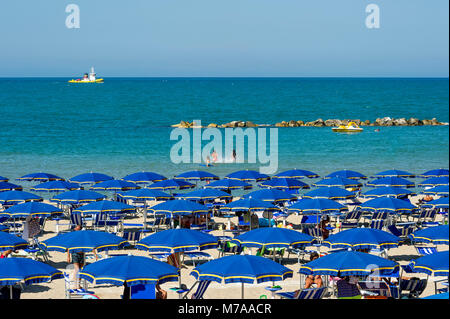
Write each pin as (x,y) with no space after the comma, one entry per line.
(241,268)
(347,174)
(11,242)
(177,240)
(438,190)
(349,263)
(284,183)
(316,206)
(362,238)
(104,207)
(334,193)
(17,197)
(391,182)
(387,191)
(4,179)
(84,241)
(247,175)
(395,173)
(228,184)
(296,173)
(78,196)
(435,173)
(41,177)
(434,181)
(437,203)
(4,228)
(14,270)
(249,204)
(55,186)
(436,235)
(129,270)
(338,182)
(273,237)
(6,186)
(144,177)
(271,195)
(433,265)
(197,175)
(205,194)
(90,178)
(179,207)
(35,209)
(170,184)
(115,185)
(387,204)
(145,194)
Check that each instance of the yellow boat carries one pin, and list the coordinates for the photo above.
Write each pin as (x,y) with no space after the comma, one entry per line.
(81,81)
(349,128)
(88,78)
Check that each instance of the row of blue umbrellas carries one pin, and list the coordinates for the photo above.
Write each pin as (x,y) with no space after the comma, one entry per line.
(143,177)
(282,183)
(242,175)
(179,207)
(245,269)
(133,270)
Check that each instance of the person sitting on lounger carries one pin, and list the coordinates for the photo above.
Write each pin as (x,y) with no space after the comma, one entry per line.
(347,288)
(310,280)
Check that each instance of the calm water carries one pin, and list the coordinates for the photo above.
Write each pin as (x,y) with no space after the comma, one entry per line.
(123,125)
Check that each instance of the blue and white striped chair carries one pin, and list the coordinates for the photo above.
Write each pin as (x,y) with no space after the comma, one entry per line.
(422,251)
(132,236)
(413,286)
(201,289)
(377,224)
(351,220)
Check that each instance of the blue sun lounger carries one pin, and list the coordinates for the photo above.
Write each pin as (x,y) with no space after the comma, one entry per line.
(310,293)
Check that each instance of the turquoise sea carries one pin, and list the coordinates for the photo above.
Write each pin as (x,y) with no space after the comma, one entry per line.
(123,125)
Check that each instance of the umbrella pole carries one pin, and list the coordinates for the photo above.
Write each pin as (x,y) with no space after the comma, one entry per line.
(10,292)
(242,290)
(145,215)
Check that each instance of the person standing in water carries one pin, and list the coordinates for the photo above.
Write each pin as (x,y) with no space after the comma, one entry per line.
(214,156)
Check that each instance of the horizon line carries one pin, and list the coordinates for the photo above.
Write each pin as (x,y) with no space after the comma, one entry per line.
(244,77)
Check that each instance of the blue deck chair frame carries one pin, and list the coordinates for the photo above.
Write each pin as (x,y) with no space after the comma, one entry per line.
(201,289)
(377,224)
(310,293)
(413,286)
(351,219)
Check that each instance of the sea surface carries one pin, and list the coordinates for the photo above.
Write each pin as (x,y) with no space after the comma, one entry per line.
(123,125)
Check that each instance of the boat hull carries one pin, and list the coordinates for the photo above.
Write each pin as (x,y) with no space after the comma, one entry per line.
(96,81)
(347,130)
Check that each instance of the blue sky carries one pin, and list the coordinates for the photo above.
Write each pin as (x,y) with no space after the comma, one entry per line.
(225,38)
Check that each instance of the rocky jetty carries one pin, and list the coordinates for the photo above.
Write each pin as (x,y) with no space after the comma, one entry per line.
(385,121)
